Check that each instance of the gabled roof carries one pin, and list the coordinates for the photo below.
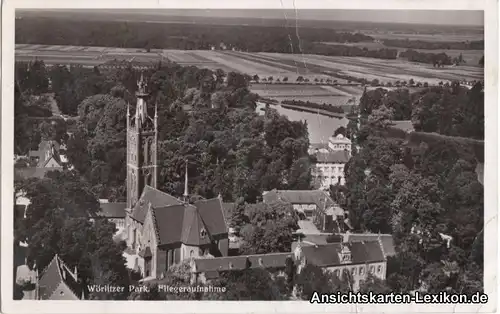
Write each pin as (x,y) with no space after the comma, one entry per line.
(43,162)
(328,254)
(189,224)
(113,210)
(154,196)
(228,263)
(57,273)
(339,157)
(212,214)
(385,239)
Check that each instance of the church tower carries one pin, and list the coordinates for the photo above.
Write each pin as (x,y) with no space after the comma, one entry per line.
(142,137)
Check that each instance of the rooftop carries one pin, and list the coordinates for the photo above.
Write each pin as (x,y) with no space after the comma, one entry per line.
(340,157)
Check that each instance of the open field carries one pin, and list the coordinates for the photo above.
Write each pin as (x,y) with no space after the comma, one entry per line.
(471,57)
(262,64)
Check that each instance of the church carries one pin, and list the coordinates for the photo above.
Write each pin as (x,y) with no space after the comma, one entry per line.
(162,230)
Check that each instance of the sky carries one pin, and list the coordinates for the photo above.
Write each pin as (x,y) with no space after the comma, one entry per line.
(436,17)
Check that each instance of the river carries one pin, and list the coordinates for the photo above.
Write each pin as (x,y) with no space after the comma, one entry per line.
(320,127)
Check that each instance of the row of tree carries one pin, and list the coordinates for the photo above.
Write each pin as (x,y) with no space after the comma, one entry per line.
(434,45)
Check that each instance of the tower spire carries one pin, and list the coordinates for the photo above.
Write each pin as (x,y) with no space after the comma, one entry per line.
(186,194)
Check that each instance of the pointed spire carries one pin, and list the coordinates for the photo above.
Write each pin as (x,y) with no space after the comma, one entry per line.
(186,194)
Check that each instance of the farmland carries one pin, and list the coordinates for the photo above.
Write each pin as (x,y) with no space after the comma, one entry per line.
(285,68)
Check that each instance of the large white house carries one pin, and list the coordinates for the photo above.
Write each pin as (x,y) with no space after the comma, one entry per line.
(330,161)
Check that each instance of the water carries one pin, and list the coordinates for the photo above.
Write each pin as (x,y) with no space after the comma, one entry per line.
(320,127)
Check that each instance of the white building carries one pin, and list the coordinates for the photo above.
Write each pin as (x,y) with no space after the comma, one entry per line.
(329,168)
(331,159)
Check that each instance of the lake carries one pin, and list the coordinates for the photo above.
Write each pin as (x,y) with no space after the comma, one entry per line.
(320,127)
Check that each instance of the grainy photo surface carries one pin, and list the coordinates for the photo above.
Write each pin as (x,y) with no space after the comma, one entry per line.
(327,156)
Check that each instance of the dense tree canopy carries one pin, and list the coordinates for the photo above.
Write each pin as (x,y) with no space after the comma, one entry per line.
(57,222)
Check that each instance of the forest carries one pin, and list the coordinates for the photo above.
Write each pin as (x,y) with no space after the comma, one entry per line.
(436,59)
(194,37)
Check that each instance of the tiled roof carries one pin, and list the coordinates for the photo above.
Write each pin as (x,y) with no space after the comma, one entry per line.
(386,240)
(328,254)
(189,224)
(34,172)
(52,277)
(271,260)
(333,157)
(113,210)
(212,214)
(154,196)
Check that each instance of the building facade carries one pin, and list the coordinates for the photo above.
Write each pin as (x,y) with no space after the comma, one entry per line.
(331,159)
(356,258)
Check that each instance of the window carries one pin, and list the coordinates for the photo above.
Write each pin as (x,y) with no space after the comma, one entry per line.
(191,254)
(372,269)
(379,269)
(337,273)
(353,271)
(171,257)
(361,270)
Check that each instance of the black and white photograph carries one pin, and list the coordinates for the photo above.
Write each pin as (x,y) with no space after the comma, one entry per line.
(335,157)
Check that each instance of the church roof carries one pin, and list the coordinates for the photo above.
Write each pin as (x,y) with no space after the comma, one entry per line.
(185,224)
(157,199)
(212,214)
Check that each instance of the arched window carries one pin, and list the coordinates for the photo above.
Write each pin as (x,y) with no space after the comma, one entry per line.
(379,269)
(361,270)
(191,254)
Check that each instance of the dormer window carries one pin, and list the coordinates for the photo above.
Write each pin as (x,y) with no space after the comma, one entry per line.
(203,233)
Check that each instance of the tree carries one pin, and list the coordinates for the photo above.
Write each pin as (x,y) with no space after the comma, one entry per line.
(256,78)
(314,279)
(374,284)
(381,117)
(340,130)
(270,229)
